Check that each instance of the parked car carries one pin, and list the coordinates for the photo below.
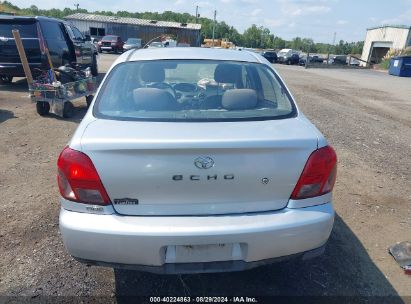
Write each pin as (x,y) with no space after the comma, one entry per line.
(94,42)
(271,56)
(303,60)
(311,59)
(338,60)
(183,44)
(65,42)
(288,56)
(195,160)
(133,43)
(317,59)
(111,43)
(354,61)
(155,45)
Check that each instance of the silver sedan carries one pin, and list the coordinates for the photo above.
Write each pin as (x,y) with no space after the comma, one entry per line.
(195,160)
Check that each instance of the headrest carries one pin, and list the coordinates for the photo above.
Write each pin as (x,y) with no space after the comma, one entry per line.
(227,73)
(239,99)
(152,73)
(152,99)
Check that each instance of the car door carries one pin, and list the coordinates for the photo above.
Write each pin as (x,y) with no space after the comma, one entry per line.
(83,48)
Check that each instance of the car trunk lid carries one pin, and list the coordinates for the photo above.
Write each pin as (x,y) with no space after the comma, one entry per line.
(159,168)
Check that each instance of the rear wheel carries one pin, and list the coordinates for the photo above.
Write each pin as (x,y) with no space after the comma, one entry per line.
(43,108)
(68,109)
(94,66)
(6,79)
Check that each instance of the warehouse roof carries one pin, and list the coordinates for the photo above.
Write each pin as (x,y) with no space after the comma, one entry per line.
(400,26)
(135,21)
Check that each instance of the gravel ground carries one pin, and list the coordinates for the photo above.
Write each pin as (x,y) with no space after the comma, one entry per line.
(364,114)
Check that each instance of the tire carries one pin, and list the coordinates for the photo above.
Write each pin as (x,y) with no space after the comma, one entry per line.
(43,108)
(94,66)
(68,109)
(5,79)
(89,99)
(288,62)
(115,50)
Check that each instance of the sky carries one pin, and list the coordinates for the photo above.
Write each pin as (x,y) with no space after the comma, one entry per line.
(316,19)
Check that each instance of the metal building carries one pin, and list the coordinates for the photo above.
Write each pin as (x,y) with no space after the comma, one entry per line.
(99,25)
(379,40)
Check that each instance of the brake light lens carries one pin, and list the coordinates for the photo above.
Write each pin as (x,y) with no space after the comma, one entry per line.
(78,179)
(318,176)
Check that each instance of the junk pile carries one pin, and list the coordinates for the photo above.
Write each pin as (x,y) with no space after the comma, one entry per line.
(53,89)
(65,83)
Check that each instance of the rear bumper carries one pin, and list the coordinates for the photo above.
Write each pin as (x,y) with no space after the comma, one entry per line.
(107,48)
(127,48)
(210,267)
(142,242)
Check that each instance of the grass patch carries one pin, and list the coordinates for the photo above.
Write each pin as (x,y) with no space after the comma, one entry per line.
(385,64)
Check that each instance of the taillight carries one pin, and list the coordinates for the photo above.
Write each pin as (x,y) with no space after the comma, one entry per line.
(318,176)
(78,179)
(77,52)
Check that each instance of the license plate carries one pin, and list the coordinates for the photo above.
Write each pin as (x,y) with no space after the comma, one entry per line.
(203,253)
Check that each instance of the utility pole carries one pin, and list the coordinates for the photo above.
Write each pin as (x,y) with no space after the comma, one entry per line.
(77,5)
(197,15)
(215,16)
(329,49)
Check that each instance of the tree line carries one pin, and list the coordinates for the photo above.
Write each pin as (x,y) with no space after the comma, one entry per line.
(253,37)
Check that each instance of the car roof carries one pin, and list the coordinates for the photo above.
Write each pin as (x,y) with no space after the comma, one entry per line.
(190,53)
(32,18)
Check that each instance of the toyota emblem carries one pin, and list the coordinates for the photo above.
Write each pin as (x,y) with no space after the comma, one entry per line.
(204,162)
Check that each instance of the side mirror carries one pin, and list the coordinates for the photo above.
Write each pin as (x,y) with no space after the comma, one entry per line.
(88,38)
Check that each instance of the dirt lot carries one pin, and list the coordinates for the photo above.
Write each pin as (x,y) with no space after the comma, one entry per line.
(365,115)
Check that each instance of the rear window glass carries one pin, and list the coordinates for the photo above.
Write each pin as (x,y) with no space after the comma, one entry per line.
(110,38)
(193,90)
(27,30)
(133,40)
(52,30)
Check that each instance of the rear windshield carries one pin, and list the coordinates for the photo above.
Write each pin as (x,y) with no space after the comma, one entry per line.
(134,40)
(26,29)
(110,38)
(193,90)
(284,53)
